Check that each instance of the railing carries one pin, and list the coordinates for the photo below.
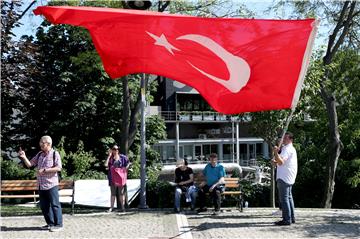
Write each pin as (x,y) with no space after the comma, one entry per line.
(242,162)
(193,116)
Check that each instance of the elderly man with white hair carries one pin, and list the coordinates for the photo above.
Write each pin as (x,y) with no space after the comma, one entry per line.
(48,164)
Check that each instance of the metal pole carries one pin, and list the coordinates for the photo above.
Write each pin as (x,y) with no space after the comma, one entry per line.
(177,148)
(272,188)
(237,143)
(233,141)
(142,147)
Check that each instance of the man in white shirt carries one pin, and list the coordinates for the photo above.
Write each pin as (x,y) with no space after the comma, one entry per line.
(286,163)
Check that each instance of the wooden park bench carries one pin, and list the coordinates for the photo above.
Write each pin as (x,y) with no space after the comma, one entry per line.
(232,188)
(29,189)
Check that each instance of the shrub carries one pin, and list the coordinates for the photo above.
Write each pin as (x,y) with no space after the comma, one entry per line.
(159,194)
(80,162)
(11,170)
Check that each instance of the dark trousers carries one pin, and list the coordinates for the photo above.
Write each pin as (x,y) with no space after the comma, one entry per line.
(51,207)
(215,195)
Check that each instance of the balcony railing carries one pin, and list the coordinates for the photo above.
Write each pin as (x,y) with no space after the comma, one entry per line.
(193,116)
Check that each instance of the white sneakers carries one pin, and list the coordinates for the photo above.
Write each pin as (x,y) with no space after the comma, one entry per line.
(277,213)
(56,229)
(52,228)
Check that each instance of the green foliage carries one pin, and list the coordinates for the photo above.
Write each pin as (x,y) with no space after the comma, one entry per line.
(60,148)
(212,8)
(134,170)
(159,194)
(155,129)
(92,174)
(80,161)
(10,170)
(347,189)
(268,124)
(349,172)
(256,194)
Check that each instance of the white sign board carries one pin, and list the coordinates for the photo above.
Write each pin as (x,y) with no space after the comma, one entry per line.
(97,192)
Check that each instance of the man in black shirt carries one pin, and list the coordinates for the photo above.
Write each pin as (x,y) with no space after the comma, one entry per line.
(184,179)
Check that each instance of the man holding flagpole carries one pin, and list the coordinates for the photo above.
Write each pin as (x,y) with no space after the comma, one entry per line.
(286,162)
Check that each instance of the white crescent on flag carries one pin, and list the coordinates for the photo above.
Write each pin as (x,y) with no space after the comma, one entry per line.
(239,69)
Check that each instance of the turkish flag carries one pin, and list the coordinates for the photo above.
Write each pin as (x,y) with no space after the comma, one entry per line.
(237,65)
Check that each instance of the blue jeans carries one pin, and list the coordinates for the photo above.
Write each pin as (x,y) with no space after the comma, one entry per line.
(286,201)
(179,192)
(51,207)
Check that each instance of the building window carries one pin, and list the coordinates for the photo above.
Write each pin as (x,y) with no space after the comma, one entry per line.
(170,153)
(227,152)
(191,102)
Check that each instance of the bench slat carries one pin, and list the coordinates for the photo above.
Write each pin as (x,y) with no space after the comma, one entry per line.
(20,196)
(29,185)
(232,185)
(232,193)
(19,188)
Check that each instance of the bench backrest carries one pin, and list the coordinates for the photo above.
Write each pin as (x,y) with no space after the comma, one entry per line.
(30,185)
(229,182)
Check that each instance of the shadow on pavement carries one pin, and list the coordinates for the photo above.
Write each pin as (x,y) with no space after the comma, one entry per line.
(18,229)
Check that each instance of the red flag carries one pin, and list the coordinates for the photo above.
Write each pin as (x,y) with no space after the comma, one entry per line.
(237,65)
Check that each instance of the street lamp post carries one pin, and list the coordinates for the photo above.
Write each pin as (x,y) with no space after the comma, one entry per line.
(142,5)
(143,204)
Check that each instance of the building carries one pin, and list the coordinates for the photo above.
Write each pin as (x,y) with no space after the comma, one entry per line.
(195,131)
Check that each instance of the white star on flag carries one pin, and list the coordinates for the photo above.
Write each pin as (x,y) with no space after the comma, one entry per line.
(162,41)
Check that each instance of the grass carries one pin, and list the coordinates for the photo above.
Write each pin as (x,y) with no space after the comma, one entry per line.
(11,210)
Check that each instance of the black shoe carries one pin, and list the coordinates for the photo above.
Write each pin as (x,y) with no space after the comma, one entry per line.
(45,227)
(282,223)
(192,208)
(204,209)
(176,210)
(293,221)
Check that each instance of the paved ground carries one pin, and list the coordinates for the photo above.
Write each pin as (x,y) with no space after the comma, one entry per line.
(252,223)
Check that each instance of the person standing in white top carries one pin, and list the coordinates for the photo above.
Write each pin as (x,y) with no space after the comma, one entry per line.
(286,172)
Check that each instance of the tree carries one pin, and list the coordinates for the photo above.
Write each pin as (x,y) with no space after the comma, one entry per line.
(11,70)
(345,21)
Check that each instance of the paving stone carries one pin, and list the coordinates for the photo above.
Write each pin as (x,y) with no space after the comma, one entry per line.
(252,223)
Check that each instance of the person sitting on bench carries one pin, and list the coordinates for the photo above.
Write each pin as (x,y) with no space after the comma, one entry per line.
(214,185)
(184,179)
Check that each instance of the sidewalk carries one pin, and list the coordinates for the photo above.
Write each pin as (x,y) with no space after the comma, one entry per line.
(252,223)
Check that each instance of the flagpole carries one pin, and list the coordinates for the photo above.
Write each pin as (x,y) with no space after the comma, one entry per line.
(286,126)
(142,146)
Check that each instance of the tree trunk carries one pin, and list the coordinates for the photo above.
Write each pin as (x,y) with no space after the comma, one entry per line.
(135,114)
(334,147)
(129,117)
